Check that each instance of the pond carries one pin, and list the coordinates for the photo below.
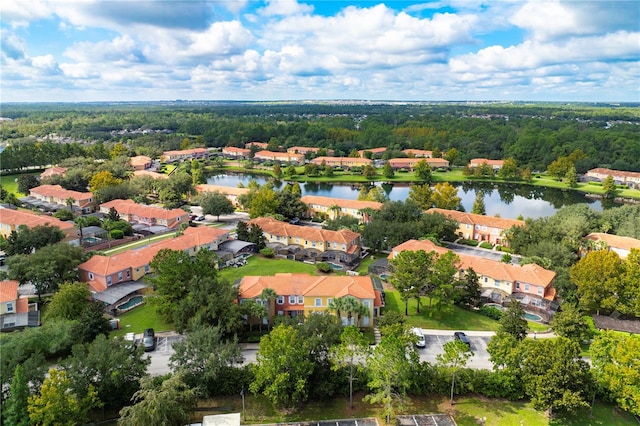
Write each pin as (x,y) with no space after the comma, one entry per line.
(506,200)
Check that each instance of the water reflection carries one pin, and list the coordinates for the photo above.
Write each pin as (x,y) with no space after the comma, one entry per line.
(506,200)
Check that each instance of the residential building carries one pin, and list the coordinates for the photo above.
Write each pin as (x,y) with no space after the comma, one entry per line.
(54,197)
(344,162)
(155,175)
(531,284)
(102,272)
(231,192)
(16,311)
(136,213)
(418,153)
(303,295)
(259,145)
(140,162)
(615,243)
(233,152)
(494,164)
(631,179)
(53,171)
(480,227)
(184,154)
(282,157)
(308,149)
(375,152)
(310,243)
(10,220)
(410,163)
(333,208)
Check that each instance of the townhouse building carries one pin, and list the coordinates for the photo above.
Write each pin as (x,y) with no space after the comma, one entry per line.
(16,311)
(496,165)
(375,152)
(154,175)
(410,163)
(303,295)
(418,153)
(10,220)
(343,162)
(54,197)
(310,243)
(631,179)
(53,171)
(258,145)
(480,227)
(333,208)
(308,150)
(616,243)
(129,267)
(531,284)
(140,162)
(233,152)
(184,154)
(135,213)
(282,157)
(232,193)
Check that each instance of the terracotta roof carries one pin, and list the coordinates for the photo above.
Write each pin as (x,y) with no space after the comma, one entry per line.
(479,161)
(372,150)
(418,152)
(59,192)
(306,285)
(8,290)
(31,220)
(410,162)
(478,219)
(270,155)
(139,160)
(278,228)
(130,207)
(226,190)
(53,171)
(529,273)
(262,145)
(341,160)
(614,173)
(186,151)
(341,202)
(616,241)
(154,175)
(233,149)
(192,237)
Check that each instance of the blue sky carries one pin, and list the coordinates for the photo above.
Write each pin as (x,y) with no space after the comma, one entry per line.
(88,50)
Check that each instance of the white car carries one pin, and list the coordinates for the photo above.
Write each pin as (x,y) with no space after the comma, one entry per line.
(421,342)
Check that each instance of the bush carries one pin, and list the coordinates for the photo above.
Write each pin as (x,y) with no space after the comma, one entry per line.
(390,318)
(116,234)
(324,267)
(267,252)
(63,215)
(473,243)
(486,245)
(491,312)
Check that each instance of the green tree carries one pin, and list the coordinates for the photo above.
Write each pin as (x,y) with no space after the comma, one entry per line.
(422,171)
(203,358)
(26,240)
(478,204)
(442,280)
(595,276)
(269,296)
(56,404)
(16,406)
(277,171)
(118,150)
(353,345)
(215,203)
(509,169)
(512,321)
(263,203)
(282,369)
(242,231)
(445,196)
(103,180)
(411,274)
(290,170)
(169,402)
(256,236)
(609,187)
(69,302)
(571,177)
(421,195)
(387,170)
(253,309)
(556,377)
(469,289)
(26,182)
(455,357)
(570,322)
(369,172)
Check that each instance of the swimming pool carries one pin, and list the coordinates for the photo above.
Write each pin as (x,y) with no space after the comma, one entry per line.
(92,240)
(131,303)
(527,315)
(335,266)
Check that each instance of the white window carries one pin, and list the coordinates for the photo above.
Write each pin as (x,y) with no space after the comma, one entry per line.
(366,303)
(119,276)
(280,313)
(329,300)
(90,275)
(484,228)
(477,227)
(344,247)
(128,273)
(280,300)
(109,280)
(518,285)
(540,291)
(318,301)
(146,268)
(313,244)
(9,307)
(497,283)
(526,287)
(292,300)
(335,245)
(300,300)
(486,280)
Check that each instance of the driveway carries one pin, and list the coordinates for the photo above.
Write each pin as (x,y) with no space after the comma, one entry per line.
(435,342)
(481,252)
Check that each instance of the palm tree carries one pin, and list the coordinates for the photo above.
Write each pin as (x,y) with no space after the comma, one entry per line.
(69,202)
(269,295)
(337,306)
(336,211)
(80,223)
(352,306)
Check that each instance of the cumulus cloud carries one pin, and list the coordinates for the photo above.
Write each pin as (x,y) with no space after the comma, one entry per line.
(284,8)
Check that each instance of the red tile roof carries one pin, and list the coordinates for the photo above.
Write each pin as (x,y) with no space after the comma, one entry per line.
(56,191)
(340,202)
(226,190)
(478,162)
(616,241)
(53,171)
(418,152)
(130,207)
(8,290)
(278,228)
(155,175)
(16,218)
(478,219)
(614,173)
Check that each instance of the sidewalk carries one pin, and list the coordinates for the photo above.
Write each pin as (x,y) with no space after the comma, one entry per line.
(476,333)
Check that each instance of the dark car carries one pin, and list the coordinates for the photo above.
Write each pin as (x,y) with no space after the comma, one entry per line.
(149,340)
(294,221)
(459,335)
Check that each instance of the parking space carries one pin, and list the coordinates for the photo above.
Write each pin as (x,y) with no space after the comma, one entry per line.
(434,347)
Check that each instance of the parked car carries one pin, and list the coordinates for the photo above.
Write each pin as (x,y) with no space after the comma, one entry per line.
(421,342)
(459,335)
(294,221)
(200,218)
(149,340)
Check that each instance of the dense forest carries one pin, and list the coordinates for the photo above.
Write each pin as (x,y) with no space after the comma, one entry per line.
(533,134)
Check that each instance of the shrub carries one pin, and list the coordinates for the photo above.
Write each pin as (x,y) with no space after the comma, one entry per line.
(267,252)
(491,312)
(116,234)
(390,318)
(63,215)
(324,267)
(486,245)
(473,243)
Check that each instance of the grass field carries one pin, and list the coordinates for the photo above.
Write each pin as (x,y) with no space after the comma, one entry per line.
(9,183)
(258,265)
(139,318)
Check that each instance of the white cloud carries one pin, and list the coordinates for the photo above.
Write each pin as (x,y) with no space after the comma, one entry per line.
(284,8)
(20,12)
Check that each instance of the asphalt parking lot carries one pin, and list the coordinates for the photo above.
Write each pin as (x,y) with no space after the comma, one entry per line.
(434,344)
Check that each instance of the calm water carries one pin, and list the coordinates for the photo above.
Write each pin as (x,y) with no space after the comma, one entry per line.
(506,200)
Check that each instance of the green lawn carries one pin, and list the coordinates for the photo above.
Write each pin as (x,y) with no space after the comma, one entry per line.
(258,265)
(139,318)
(452,319)
(363,268)
(9,183)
